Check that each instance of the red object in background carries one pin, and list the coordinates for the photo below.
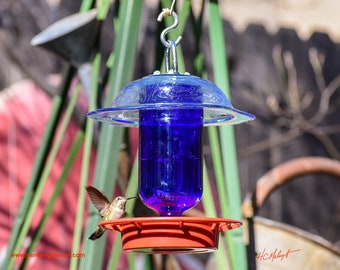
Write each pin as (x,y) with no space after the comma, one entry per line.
(24,112)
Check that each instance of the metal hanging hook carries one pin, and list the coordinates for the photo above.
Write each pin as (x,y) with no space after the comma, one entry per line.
(171,51)
(165,13)
(170,45)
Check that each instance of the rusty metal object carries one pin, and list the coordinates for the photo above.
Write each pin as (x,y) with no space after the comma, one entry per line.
(287,171)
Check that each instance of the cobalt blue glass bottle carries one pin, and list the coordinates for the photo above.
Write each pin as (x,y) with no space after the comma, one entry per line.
(170,159)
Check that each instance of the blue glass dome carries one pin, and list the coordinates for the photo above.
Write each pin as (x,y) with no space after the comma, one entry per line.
(167,92)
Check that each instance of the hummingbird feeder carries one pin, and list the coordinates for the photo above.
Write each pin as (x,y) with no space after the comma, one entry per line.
(170,110)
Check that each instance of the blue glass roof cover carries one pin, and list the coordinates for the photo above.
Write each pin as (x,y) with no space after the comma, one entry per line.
(170,91)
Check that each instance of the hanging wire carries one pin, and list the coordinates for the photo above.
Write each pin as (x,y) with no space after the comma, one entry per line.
(172,6)
(170,45)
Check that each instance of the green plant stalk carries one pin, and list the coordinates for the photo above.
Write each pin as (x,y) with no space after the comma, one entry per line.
(148,262)
(116,252)
(111,136)
(89,130)
(103,9)
(44,177)
(198,25)
(237,249)
(207,198)
(210,211)
(220,182)
(125,47)
(131,191)
(58,188)
(218,170)
(132,188)
(105,180)
(86,5)
(132,260)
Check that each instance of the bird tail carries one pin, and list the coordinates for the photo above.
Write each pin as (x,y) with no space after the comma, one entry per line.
(97,233)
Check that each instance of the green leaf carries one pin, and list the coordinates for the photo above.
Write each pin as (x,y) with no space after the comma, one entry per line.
(86,5)
(131,191)
(89,130)
(235,243)
(111,136)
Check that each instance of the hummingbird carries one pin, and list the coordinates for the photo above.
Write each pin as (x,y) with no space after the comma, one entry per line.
(107,210)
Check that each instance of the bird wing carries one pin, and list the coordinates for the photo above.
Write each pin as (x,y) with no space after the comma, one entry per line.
(100,201)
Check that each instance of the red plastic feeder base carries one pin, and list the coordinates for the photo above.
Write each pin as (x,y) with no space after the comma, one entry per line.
(170,234)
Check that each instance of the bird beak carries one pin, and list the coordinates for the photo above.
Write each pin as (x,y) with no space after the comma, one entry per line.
(131,198)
